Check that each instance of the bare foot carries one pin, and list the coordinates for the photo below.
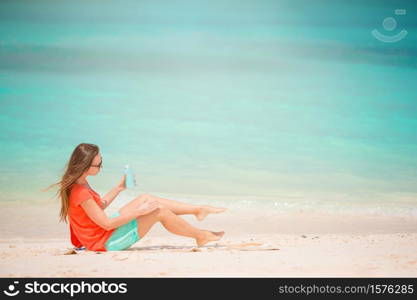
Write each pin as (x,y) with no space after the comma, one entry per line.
(204,210)
(209,236)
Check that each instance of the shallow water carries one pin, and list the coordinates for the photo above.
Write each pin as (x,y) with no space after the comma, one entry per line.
(285,104)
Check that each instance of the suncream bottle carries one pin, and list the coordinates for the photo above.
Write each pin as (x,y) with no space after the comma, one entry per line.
(130,177)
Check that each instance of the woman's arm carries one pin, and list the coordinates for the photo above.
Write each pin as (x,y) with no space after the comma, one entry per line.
(97,215)
(110,196)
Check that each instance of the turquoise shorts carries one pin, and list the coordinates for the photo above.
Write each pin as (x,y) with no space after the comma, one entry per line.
(124,236)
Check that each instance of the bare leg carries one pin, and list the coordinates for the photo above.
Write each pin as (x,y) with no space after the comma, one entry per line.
(178,208)
(176,225)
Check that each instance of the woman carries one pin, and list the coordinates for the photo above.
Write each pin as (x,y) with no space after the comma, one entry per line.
(89,225)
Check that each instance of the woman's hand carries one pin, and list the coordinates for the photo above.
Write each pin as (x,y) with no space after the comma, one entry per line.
(146,207)
(122,185)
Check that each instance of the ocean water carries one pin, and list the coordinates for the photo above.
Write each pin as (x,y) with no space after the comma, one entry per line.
(285,105)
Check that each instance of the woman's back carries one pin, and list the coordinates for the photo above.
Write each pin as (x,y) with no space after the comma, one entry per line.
(83,230)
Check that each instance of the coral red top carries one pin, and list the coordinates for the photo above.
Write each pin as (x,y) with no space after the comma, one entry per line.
(84,232)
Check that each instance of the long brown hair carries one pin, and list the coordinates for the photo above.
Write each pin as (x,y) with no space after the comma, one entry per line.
(79,162)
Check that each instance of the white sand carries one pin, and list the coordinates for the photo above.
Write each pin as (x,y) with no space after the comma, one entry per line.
(256,244)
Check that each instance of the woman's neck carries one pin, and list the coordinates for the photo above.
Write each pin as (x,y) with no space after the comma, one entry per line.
(81,181)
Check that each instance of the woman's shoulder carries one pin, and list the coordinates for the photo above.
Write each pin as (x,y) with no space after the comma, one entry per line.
(76,189)
(80,193)
(76,186)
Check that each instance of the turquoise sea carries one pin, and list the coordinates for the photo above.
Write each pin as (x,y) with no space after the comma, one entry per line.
(286,104)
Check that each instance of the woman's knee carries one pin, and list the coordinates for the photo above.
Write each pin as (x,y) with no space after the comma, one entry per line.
(134,203)
(161,212)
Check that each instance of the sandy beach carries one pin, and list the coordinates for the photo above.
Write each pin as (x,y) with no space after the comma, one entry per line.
(256,244)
